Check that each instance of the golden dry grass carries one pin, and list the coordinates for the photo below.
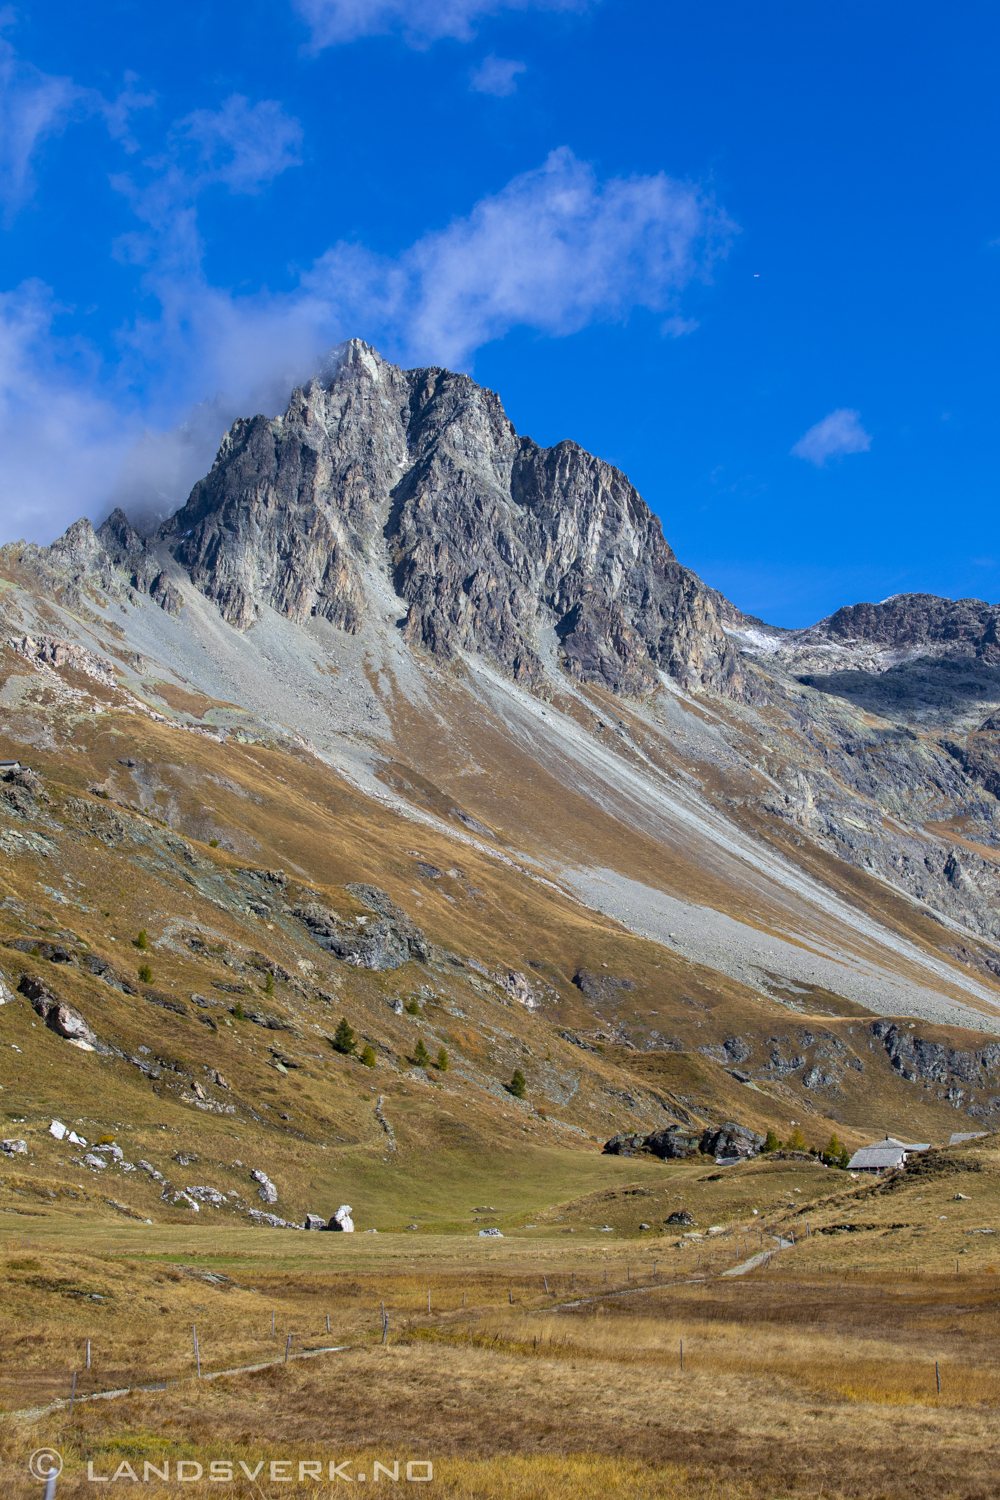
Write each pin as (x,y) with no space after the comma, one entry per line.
(798,1383)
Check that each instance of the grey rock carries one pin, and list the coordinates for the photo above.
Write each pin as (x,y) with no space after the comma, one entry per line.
(680,1216)
(730,1140)
(491,540)
(314,1221)
(387,943)
(342,1220)
(59,1017)
(14,1148)
(207,1195)
(266,1190)
(95,1162)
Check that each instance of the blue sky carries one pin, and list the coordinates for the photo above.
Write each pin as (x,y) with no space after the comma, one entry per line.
(749,253)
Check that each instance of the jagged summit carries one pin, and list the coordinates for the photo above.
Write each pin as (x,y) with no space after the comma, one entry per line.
(492,544)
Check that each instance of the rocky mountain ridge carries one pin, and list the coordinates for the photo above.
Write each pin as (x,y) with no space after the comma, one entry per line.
(495,642)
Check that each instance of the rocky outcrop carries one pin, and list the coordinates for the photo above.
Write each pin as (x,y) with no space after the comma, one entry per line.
(387,943)
(59,1017)
(266,1190)
(493,542)
(968,1079)
(342,1220)
(676,1144)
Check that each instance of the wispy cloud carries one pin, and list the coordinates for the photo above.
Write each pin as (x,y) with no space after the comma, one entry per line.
(496,75)
(61,440)
(420,22)
(555,250)
(36,106)
(838,434)
(33,107)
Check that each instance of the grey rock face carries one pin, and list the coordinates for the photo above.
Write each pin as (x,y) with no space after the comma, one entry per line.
(490,540)
(969,1080)
(387,943)
(676,1143)
(59,1017)
(731,1139)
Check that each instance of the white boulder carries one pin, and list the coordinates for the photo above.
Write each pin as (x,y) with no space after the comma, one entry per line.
(342,1220)
(58,1129)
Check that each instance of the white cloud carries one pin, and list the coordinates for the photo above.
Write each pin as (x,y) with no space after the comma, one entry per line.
(839,433)
(242,145)
(420,21)
(496,75)
(60,440)
(33,107)
(554,250)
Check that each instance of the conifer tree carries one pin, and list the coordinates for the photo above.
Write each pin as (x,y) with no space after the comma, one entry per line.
(343,1039)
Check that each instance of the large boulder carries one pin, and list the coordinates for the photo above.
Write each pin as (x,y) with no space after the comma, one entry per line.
(266,1190)
(672,1144)
(59,1017)
(625,1145)
(731,1139)
(342,1220)
(314,1221)
(675,1143)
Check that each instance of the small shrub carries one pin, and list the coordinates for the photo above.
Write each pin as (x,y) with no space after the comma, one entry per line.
(105,1140)
(771,1142)
(213,843)
(145,974)
(517,1084)
(142,941)
(368,1056)
(413,1009)
(442,1061)
(343,1040)
(269,984)
(421,1056)
(238,1011)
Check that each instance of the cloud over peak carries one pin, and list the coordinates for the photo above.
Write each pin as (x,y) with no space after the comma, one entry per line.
(838,434)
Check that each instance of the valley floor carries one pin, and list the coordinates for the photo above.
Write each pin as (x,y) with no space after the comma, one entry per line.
(528,1368)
